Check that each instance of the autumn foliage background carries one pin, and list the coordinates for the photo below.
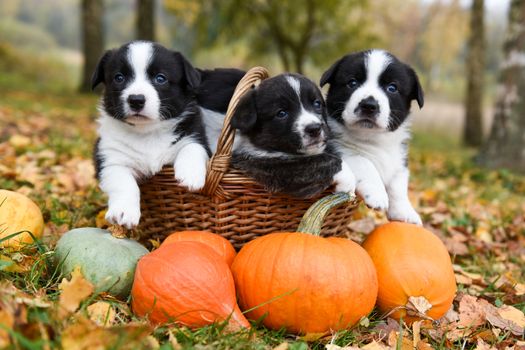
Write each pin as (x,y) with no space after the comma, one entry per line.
(47,131)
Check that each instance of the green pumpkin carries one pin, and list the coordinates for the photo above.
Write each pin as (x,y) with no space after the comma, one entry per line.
(107,262)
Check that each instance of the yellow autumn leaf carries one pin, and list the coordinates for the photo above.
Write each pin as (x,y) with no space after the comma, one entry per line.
(73,292)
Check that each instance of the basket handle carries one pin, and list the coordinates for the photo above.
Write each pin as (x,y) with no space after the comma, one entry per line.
(220,161)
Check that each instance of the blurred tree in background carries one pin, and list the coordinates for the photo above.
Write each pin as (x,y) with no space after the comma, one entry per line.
(296,31)
(473,130)
(93,39)
(146,20)
(506,144)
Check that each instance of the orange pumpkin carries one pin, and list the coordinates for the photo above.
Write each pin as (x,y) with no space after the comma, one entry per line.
(304,282)
(221,245)
(415,274)
(187,283)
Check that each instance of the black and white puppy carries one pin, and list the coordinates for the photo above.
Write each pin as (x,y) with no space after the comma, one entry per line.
(148,118)
(368,104)
(282,139)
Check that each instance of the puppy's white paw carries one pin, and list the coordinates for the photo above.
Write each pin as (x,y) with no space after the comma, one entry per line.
(191,178)
(345,180)
(124,213)
(345,186)
(405,213)
(375,197)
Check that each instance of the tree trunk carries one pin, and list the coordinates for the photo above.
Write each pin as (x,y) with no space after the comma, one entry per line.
(506,144)
(146,20)
(93,39)
(473,131)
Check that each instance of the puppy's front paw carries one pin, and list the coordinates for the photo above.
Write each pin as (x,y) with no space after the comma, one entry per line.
(123,213)
(375,197)
(345,180)
(405,213)
(191,178)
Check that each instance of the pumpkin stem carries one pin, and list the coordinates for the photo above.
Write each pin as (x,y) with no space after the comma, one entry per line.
(313,219)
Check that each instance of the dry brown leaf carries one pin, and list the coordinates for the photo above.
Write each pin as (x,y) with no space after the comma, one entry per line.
(173,341)
(311,337)
(337,347)
(282,346)
(375,346)
(19,141)
(7,321)
(102,313)
(481,345)
(507,318)
(384,329)
(471,312)
(73,292)
(394,342)
(418,306)
(150,342)
(84,334)
(423,345)
(416,332)
(365,225)
(450,316)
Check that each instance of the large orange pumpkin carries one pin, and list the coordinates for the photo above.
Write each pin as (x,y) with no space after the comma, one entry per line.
(187,283)
(415,274)
(18,213)
(304,282)
(221,245)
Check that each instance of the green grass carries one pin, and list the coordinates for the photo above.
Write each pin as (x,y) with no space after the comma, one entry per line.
(437,163)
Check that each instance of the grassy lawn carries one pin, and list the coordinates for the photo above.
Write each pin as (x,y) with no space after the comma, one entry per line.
(45,148)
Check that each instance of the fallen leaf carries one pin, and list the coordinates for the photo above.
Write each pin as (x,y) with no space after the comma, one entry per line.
(102,313)
(375,346)
(73,292)
(418,306)
(416,332)
(337,347)
(83,334)
(384,329)
(481,345)
(395,341)
(423,345)
(282,346)
(311,337)
(365,225)
(19,141)
(7,321)
(507,318)
(471,312)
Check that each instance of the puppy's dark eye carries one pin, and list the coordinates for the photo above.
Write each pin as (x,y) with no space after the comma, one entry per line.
(392,87)
(282,114)
(161,79)
(317,104)
(352,83)
(119,78)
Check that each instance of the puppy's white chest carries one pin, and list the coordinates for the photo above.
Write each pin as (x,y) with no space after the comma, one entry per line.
(144,152)
(386,151)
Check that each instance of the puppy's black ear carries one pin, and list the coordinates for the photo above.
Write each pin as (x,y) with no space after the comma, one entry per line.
(417,91)
(192,75)
(245,114)
(329,74)
(98,74)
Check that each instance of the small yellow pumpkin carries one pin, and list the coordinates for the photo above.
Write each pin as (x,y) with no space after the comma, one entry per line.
(19,214)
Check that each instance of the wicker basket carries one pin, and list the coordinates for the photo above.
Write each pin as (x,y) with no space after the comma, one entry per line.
(231,204)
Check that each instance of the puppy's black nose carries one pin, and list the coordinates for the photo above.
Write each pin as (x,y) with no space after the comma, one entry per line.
(313,130)
(136,102)
(369,106)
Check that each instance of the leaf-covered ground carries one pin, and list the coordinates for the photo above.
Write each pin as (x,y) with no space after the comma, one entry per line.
(45,150)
